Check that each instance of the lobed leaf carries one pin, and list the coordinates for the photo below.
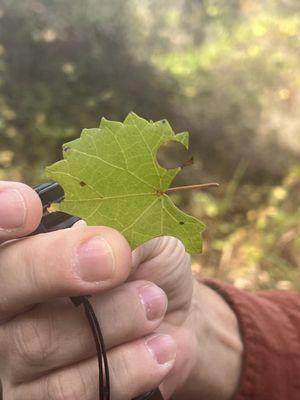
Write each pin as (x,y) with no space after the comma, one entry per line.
(111,177)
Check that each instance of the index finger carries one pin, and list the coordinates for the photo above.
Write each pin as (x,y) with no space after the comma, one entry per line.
(20,210)
(70,262)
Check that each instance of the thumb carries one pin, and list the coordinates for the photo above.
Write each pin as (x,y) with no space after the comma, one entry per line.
(20,210)
(164,261)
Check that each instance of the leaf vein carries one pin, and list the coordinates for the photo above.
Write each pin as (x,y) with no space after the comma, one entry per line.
(78,180)
(114,166)
(110,197)
(140,216)
(151,153)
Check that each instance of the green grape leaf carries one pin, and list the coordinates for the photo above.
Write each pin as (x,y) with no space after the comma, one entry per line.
(111,177)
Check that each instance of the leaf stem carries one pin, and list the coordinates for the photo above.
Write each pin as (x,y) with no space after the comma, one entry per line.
(198,186)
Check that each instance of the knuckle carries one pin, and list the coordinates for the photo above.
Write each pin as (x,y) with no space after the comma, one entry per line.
(129,323)
(8,392)
(31,258)
(48,262)
(121,372)
(3,349)
(178,259)
(67,386)
(4,306)
(126,374)
(35,339)
(34,253)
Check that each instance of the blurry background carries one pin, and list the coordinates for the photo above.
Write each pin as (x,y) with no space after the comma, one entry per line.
(228,71)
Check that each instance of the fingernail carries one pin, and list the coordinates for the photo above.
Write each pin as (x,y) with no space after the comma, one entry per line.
(162,347)
(80,224)
(96,260)
(12,209)
(154,301)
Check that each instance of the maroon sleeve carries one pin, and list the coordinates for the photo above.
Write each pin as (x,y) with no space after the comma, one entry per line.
(270,327)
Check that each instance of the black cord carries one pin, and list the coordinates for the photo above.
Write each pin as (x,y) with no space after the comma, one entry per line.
(104,381)
(98,349)
(104,389)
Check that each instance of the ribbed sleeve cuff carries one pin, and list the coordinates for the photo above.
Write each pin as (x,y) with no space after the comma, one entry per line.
(271,358)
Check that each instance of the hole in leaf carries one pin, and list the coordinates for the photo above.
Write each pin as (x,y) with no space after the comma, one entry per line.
(181,223)
(66,148)
(82,183)
(172,154)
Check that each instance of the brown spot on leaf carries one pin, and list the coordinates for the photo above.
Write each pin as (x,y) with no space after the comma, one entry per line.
(82,183)
(181,223)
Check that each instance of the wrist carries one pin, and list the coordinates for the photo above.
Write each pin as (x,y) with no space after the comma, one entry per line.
(218,365)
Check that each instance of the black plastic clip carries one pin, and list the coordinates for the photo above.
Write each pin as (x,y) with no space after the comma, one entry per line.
(49,193)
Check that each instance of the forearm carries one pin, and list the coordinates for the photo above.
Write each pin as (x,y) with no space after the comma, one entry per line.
(219,355)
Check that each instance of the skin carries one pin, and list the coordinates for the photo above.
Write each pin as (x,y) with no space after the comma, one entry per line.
(152,311)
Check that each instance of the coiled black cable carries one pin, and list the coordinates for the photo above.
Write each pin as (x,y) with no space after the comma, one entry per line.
(104,382)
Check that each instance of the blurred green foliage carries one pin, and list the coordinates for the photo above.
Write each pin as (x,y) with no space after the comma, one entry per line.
(226,70)
(243,88)
(253,238)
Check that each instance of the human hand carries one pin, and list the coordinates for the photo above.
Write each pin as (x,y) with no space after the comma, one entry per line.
(209,347)
(46,347)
